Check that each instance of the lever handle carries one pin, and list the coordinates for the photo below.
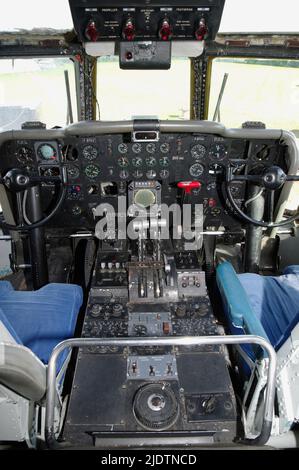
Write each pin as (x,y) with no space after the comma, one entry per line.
(187,186)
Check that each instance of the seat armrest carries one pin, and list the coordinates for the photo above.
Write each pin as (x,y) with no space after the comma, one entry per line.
(22,371)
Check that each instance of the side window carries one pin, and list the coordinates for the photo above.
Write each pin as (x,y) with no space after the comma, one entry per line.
(264,90)
(34,90)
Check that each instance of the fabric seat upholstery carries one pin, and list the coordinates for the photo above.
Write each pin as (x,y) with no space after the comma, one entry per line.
(261,305)
(41,319)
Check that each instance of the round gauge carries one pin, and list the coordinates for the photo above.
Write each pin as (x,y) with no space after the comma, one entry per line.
(73,171)
(92,171)
(144,197)
(211,186)
(76,210)
(136,147)
(151,174)
(218,151)
(122,148)
(164,174)
(196,170)
(198,151)
(90,152)
(24,155)
(164,161)
(137,161)
(123,162)
(138,174)
(74,191)
(216,169)
(164,148)
(124,174)
(150,161)
(46,152)
(151,148)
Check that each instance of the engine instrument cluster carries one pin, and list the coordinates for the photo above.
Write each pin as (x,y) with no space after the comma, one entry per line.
(100,168)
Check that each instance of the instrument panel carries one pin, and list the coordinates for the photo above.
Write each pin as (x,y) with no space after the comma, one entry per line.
(100,168)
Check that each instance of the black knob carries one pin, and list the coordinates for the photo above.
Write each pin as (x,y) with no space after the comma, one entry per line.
(274,178)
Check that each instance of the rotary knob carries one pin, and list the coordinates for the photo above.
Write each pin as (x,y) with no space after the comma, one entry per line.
(96,310)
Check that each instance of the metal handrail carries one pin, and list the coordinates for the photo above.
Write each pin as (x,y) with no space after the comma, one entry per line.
(261,439)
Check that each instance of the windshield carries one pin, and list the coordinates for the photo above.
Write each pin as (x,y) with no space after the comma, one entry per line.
(34,90)
(264,90)
(125,94)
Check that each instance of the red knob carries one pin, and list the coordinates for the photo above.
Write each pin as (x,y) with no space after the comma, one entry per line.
(202,30)
(187,186)
(165,31)
(91,31)
(129,30)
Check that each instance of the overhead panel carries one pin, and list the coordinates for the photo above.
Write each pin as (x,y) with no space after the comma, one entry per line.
(145,32)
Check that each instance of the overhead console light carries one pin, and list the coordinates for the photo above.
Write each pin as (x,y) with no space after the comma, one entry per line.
(104,25)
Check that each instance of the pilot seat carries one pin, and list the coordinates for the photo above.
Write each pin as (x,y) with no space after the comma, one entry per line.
(31,325)
(266,306)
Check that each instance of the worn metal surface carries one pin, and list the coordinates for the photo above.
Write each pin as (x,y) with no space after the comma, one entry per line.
(196,340)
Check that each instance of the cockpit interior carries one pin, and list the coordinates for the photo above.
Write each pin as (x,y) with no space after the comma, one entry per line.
(150,297)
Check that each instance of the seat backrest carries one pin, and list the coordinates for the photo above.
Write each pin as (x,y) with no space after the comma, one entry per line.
(20,369)
(275,301)
(5,288)
(7,332)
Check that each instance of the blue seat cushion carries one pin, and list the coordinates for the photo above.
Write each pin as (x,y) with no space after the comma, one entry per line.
(43,318)
(275,302)
(7,326)
(261,305)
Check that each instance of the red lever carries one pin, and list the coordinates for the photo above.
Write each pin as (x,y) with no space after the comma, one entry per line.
(91,31)
(202,30)
(187,186)
(129,30)
(165,31)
